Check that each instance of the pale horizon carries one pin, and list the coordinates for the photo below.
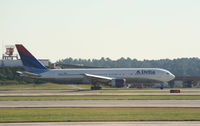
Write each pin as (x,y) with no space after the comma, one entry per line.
(91,29)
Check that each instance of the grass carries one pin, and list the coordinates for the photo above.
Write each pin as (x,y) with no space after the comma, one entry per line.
(49,86)
(46,98)
(98,114)
(86,86)
(44,86)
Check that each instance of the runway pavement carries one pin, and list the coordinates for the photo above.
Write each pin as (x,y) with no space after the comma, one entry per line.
(103,103)
(100,94)
(133,92)
(146,123)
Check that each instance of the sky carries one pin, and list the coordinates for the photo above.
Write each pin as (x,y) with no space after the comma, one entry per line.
(140,29)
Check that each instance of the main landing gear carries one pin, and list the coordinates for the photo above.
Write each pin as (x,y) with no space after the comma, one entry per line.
(96,87)
(161,87)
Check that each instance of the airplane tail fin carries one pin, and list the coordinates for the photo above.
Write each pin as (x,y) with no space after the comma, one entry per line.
(31,64)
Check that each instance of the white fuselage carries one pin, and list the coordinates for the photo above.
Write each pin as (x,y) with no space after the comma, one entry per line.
(130,74)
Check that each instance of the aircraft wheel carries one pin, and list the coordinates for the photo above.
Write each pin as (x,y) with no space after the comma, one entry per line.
(92,88)
(95,88)
(99,88)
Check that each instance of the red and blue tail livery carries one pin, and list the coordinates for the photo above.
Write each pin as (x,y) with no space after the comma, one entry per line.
(30,63)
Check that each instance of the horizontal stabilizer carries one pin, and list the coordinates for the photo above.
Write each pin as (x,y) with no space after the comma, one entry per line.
(28,74)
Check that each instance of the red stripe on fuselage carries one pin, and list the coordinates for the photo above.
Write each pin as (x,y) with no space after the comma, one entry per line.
(23,50)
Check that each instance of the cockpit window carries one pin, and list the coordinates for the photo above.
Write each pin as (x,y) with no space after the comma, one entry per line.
(167,73)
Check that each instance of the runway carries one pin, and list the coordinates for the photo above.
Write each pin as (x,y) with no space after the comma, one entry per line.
(146,123)
(103,103)
(124,92)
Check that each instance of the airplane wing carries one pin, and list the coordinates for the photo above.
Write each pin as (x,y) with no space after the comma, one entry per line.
(28,74)
(98,78)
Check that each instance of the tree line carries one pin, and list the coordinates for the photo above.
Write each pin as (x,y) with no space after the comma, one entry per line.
(179,66)
(8,75)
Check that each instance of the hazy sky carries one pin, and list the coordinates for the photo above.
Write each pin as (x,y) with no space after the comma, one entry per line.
(141,29)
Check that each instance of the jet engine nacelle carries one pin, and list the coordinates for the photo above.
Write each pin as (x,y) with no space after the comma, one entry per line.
(21,74)
(118,83)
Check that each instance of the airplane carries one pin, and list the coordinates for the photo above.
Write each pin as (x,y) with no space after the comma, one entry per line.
(115,77)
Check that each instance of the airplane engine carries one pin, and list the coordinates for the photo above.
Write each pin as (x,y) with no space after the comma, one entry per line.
(118,83)
(20,73)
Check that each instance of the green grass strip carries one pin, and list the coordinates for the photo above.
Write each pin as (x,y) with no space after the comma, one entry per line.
(49,86)
(46,98)
(98,114)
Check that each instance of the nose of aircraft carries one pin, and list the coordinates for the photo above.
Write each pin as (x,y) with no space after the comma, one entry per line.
(172,76)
